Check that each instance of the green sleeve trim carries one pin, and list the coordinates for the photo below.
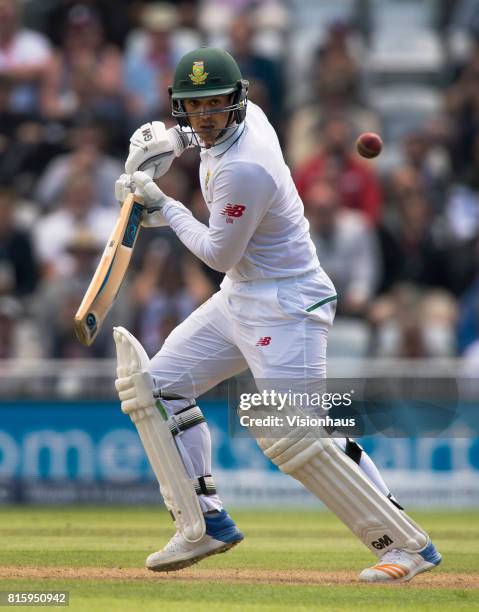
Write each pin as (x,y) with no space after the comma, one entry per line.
(321,303)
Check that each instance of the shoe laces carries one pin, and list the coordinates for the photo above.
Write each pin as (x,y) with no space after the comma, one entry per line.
(176,543)
(395,555)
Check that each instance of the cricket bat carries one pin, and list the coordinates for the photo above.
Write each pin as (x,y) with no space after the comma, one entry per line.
(111,270)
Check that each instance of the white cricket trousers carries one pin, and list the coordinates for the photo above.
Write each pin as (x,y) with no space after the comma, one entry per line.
(277,328)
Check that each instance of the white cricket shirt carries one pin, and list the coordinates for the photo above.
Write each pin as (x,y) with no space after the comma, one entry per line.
(257,227)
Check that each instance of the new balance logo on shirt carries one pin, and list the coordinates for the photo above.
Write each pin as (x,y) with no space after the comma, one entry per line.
(233,211)
(264,341)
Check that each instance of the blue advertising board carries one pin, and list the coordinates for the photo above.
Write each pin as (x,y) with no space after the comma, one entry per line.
(70,452)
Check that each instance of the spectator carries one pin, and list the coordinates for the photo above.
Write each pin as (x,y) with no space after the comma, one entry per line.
(462,204)
(177,184)
(334,69)
(346,246)
(16,333)
(78,209)
(431,162)
(410,252)
(115,17)
(411,323)
(464,14)
(358,185)
(468,324)
(462,212)
(462,104)
(198,282)
(405,181)
(22,146)
(461,265)
(150,57)
(85,75)
(334,86)
(255,67)
(187,34)
(12,123)
(470,176)
(9,315)
(62,295)
(24,57)
(402,183)
(18,267)
(162,299)
(88,143)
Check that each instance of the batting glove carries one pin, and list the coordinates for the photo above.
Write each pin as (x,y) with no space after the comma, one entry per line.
(153,198)
(123,187)
(126,184)
(153,146)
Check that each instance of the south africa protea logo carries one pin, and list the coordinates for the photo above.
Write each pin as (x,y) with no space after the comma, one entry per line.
(198,75)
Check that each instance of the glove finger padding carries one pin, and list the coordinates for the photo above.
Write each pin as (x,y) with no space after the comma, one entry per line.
(123,187)
(148,189)
(151,215)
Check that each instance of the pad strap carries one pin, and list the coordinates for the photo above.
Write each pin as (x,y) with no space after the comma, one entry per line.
(353,450)
(394,501)
(158,393)
(205,485)
(185,419)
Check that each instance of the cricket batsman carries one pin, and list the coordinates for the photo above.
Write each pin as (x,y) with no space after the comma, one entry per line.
(271,315)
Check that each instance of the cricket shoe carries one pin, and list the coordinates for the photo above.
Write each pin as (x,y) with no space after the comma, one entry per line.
(398,566)
(221,535)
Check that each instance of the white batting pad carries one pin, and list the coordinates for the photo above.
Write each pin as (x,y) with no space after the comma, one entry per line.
(341,485)
(135,389)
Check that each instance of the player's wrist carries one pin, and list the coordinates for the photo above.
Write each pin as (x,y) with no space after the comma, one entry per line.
(172,205)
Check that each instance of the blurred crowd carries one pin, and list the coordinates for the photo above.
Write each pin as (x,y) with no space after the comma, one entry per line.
(399,235)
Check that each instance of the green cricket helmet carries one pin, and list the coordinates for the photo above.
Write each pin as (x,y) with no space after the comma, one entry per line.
(207,72)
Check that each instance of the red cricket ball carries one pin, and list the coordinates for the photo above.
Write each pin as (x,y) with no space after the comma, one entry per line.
(369,145)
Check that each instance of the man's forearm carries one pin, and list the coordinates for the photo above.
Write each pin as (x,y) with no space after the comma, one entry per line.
(194,235)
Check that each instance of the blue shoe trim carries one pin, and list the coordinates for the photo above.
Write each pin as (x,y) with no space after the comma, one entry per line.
(222,527)
(430,554)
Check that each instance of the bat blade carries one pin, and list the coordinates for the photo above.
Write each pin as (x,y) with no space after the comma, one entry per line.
(109,275)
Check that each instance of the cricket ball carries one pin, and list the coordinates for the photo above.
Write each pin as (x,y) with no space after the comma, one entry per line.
(369,145)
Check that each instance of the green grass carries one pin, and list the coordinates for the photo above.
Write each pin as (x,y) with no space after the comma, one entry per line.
(276,541)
